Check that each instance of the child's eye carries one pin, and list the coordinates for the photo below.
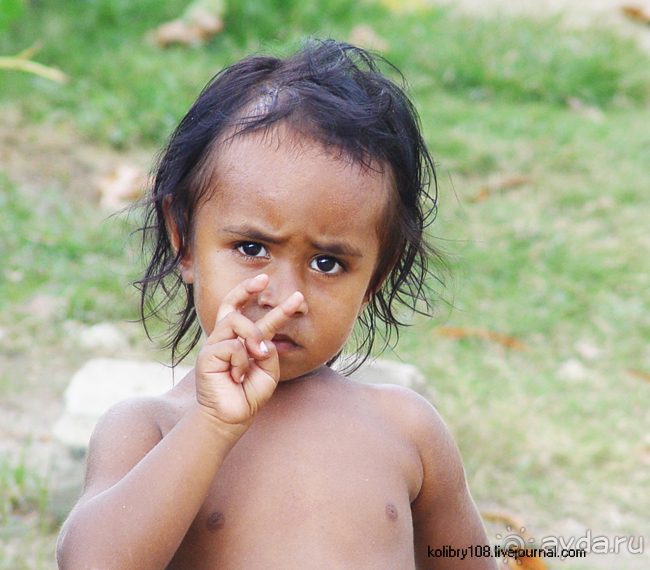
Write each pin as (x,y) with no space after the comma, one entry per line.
(326,264)
(252,249)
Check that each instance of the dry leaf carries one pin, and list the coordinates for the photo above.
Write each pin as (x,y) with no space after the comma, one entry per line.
(469,332)
(123,185)
(507,183)
(201,20)
(527,563)
(636,13)
(645,451)
(18,63)
(516,526)
(639,374)
(508,519)
(195,33)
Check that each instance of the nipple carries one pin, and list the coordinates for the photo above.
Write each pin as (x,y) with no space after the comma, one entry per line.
(215,521)
(391,512)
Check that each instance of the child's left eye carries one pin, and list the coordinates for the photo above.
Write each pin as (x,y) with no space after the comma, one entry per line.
(252,249)
(326,265)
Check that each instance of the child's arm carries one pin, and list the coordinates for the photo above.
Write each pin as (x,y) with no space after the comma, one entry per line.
(444,515)
(142,490)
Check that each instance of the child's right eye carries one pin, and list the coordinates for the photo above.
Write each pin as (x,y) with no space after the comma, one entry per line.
(252,249)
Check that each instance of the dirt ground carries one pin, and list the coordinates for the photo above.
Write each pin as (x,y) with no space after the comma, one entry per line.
(39,156)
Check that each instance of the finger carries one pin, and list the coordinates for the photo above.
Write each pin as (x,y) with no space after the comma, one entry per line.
(261,380)
(269,365)
(229,355)
(270,323)
(235,300)
(236,325)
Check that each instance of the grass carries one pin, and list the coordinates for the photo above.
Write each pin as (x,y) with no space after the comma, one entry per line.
(43,252)
(22,488)
(125,92)
(24,517)
(556,433)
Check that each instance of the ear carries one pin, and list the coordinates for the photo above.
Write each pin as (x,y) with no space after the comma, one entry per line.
(186,264)
(376,283)
(372,289)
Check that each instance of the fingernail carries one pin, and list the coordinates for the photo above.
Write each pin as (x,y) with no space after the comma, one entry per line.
(264,348)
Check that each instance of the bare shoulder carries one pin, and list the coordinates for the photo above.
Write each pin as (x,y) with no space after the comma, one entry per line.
(443,510)
(413,414)
(421,424)
(124,435)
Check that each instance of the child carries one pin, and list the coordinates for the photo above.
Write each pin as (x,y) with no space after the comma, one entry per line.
(287,206)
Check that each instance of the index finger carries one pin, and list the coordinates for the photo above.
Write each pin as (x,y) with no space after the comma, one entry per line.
(240,295)
(271,323)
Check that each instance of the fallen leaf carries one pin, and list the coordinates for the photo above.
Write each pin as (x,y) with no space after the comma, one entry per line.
(636,13)
(516,525)
(507,183)
(469,332)
(645,451)
(194,33)
(527,563)
(121,186)
(202,20)
(508,519)
(17,63)
(639,374)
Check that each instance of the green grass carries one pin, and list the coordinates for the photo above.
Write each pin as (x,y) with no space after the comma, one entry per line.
(26,528)
(554,433)
(43,251)
(125,92)
(22,488)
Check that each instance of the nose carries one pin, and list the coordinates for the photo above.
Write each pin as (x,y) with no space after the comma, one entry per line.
(281,285)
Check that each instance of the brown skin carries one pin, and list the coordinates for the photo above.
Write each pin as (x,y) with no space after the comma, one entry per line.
(263,457)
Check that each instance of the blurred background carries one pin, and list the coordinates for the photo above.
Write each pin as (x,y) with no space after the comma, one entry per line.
(537,114)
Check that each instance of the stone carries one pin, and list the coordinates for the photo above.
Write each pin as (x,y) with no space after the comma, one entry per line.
(100,384)
(391,372)
(102,335)
(103,382)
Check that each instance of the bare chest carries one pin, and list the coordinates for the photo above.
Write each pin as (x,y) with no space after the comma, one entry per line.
(311,487)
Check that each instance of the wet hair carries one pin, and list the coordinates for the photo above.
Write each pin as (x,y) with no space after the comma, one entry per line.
(333,94)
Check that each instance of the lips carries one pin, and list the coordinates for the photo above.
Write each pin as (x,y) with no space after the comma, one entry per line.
(284,343)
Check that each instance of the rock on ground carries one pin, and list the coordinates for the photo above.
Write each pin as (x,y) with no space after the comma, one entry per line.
(102,382)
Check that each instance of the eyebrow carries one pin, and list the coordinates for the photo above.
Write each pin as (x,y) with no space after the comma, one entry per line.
(332,248)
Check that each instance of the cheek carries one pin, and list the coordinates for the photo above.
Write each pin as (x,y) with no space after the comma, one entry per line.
(344,311)
(207,298)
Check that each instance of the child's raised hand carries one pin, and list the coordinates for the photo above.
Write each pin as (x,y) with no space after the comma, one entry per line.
(237,369)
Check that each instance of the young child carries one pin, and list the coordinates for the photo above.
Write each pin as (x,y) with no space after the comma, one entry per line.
(288,205)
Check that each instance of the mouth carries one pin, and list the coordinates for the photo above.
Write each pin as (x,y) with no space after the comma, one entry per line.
(284,343)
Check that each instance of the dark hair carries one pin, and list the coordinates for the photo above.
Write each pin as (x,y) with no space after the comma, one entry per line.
(332,93)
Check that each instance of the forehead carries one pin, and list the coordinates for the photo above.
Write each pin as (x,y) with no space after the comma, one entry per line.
(281,167)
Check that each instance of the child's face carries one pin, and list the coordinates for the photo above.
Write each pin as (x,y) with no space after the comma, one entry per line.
(309,220)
